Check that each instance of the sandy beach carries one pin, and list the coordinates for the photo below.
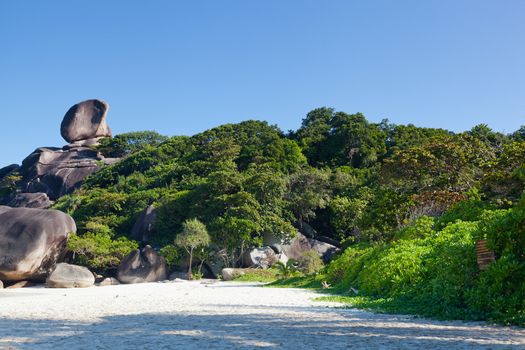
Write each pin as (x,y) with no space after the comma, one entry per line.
(222,315)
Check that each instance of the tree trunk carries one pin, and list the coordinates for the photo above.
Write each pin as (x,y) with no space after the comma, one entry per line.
(190,275)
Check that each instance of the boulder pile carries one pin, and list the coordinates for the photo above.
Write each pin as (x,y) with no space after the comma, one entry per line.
(53,172)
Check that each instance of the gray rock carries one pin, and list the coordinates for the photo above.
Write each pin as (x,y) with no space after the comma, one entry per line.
(85,120)
(32,241)
(8,170)
(142,266)
(259,258)
(109,281)
(90,143)
(230,274)
(70,276)
(1,285)
(30,200)
(300,244)
(21,284)
(57,172)
(143,229)
(325,250)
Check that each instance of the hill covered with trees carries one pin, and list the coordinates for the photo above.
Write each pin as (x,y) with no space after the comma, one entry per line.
(407,204)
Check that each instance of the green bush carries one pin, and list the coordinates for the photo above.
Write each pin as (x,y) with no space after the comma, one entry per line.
(393,270)
(310,262)
(171,254)
(499,293)
(98,250)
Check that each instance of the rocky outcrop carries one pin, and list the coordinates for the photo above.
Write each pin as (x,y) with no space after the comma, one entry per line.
(32,241)
(142,266)
(8,170)
(70,276)
(295,248)
(259,258)
(57,172)
(30,200)
(143,229)
(85,120)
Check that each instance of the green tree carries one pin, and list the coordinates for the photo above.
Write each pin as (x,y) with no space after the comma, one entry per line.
(125,144)
(194,234)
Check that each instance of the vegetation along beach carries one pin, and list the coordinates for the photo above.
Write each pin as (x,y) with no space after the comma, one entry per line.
(238,175)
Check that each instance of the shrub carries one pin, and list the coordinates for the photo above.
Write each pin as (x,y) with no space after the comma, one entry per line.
(310,262)
(98,251)
(287,269)
(171,254)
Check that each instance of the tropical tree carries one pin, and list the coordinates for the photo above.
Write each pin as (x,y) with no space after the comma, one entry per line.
(194,234)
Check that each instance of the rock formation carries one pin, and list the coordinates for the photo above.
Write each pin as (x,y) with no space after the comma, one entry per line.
(30,200)
(59,171)
(259,258)
(32,241)
(142,266)
(299,244)
(70,276)
(85,120)
(143,228)
(8,170)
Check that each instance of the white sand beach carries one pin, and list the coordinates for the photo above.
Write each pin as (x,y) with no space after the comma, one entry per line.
(222,315)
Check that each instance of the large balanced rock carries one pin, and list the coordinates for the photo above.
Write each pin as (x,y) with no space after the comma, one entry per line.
(142,266)
(143,228)
(57,172)
(32,241)
(70,276)
(30,200)
(85,120)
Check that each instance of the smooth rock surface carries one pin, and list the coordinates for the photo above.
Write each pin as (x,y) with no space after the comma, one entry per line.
(143,229)
(229,274)
(85,120)
(70,276)
(57,172)
(8,170)
(300,244)
(32,241)
(30,200)
(259,258)
(142,266)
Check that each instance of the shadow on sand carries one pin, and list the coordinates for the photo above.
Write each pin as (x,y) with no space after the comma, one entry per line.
(231,331)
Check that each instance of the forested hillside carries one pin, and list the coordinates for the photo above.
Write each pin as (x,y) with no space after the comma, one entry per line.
(406,203)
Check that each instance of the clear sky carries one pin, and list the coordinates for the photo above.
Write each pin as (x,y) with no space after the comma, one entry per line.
(180,67)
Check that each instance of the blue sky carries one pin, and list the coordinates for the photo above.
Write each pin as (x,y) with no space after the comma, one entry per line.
(180,67)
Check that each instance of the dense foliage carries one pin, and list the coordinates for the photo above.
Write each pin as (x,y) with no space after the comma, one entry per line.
(407,203)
